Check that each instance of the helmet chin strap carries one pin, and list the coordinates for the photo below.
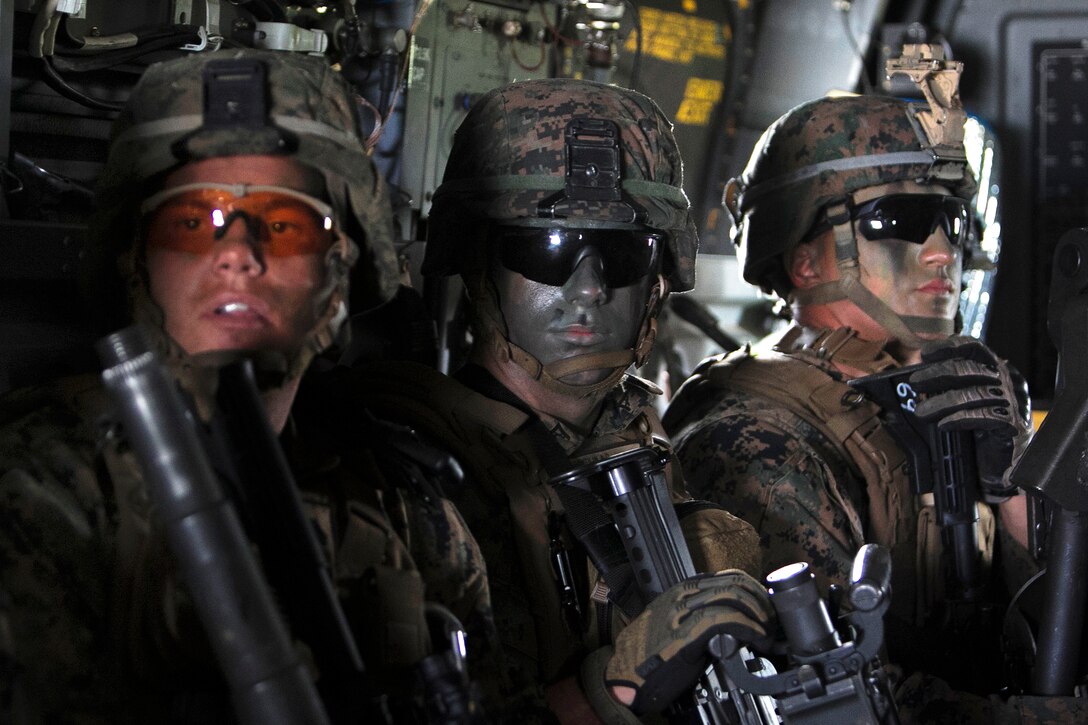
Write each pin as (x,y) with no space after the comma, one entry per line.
(904,328)
(550,375)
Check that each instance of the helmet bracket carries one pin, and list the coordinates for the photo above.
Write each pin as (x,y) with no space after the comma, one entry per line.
(593,155)
(941,124)
(594,171)
(234,94)
(235,97)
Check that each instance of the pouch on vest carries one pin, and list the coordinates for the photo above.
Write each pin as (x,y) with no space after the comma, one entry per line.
(717,540)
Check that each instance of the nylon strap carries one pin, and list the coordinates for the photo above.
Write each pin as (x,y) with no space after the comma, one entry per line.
(872,305)
(899,158)
(525,182)
(849,286)
(543,375)
(934,325)
(591,361)
(846,254)
(585,514)
(819,294)
(549,375)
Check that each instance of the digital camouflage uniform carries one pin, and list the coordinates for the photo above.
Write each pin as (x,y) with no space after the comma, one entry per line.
(98,627)
(507,166)
(94,624)
(506,499)
(774,433)
(779,439)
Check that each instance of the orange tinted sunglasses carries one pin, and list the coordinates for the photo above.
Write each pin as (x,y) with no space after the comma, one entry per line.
(193,217)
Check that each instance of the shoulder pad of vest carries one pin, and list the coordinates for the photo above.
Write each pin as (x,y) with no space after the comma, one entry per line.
(709,362)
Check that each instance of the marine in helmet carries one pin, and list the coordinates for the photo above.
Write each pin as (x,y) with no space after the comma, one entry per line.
(562,210)
(235,201)
(857,214)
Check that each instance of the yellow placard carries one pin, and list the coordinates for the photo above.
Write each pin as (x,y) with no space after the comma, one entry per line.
(679,38)
(700,95)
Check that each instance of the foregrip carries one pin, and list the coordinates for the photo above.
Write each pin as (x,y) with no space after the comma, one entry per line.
(942,463)
(267,681)
(956,501)
(633,489)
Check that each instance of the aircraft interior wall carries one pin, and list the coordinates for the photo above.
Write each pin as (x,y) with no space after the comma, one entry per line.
(721,70)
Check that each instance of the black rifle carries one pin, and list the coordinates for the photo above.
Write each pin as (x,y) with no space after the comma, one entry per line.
(960,640)
(829,680)
(632,488)
(942,463)
(253,646)
(236,464)
(294,562)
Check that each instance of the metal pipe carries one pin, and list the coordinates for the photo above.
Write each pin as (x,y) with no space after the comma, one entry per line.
(1065,595)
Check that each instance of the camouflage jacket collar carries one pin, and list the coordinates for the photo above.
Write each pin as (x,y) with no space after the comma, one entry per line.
(620,409)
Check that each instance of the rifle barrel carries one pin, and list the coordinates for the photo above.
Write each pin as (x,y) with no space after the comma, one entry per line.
(268,682)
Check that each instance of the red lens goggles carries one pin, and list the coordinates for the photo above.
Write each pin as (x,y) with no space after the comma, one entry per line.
(193,217)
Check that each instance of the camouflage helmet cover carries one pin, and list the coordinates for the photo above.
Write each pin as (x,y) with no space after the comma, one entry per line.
(311,117)
(817,153)
(509,154)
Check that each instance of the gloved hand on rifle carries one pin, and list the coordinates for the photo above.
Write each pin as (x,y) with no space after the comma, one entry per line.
(663,651)
(969,388)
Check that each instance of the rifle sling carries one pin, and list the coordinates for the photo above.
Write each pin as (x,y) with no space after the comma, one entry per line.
(585,514)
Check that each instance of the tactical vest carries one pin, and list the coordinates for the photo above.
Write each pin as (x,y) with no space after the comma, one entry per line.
(507,502)
(798,375)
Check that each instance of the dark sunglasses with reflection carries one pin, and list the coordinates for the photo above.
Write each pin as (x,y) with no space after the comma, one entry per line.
(548,255)
(907,218)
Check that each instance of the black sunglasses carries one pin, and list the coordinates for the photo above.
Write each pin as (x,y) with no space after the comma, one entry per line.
(549,254)
(908,218)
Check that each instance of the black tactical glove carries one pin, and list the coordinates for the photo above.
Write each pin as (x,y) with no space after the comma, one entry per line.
(969,388)
(663,651)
